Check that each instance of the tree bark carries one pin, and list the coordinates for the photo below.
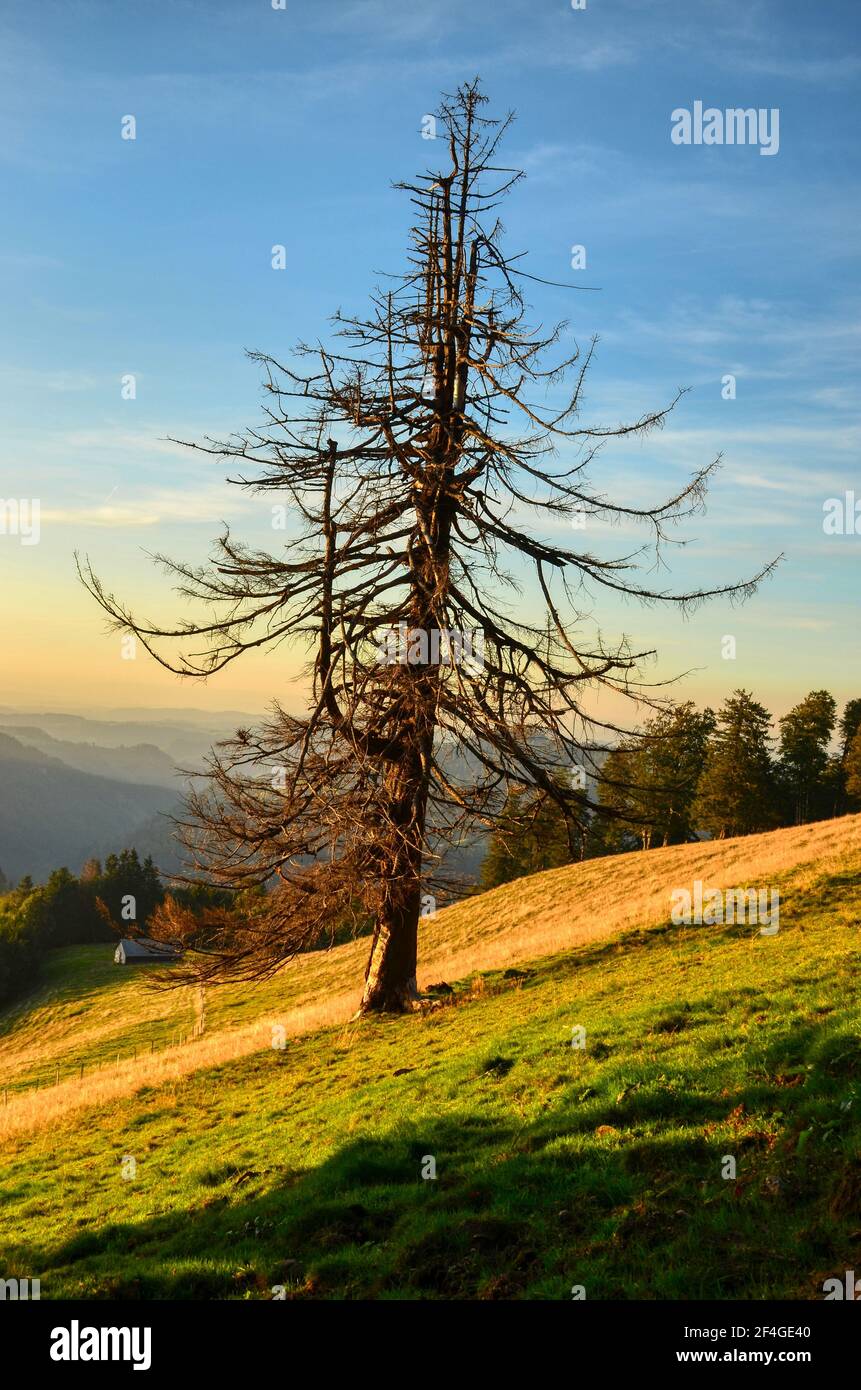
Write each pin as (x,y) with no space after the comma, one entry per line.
(390,976)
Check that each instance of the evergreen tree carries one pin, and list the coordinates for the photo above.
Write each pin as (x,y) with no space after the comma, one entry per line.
(19,955)
(649,782)
(532,835)
(737,793)
(852,771)
(805,733)
(850,723)
(623,798)
(504,860)
(672,760)
(847,729)
(62,912)
(123,879)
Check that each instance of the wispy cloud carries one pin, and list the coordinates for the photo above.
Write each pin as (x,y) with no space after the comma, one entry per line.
(159,506)
(829,69)
(789,338)
(24,378)
(119,517)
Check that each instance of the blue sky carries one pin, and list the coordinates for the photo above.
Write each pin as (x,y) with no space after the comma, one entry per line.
(258,126)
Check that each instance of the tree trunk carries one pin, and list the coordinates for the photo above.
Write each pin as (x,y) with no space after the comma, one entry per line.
(390,978)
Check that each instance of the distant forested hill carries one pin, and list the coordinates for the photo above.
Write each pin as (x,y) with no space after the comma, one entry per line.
(140,762)
(52,814)
(185,742)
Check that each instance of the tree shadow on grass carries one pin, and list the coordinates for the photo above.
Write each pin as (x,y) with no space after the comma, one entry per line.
(511,1212)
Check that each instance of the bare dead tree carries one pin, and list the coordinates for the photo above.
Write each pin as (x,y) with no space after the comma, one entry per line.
(415,455)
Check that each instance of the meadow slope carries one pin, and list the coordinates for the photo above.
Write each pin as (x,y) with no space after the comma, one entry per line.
(256,1166)
(103,1032)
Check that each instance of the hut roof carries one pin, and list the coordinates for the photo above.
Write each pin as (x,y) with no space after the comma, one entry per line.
(144,948)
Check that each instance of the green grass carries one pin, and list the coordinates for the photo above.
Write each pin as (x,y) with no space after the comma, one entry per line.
(555,1166)
(86,1012)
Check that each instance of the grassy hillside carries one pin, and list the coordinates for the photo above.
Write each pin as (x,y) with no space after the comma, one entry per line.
(555,1166)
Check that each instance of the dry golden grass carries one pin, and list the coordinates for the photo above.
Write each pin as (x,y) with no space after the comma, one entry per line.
(588,902)
(530,918)
(36,1109)
(105,1009)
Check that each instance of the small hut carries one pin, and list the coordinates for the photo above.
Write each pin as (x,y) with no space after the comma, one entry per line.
(140,949)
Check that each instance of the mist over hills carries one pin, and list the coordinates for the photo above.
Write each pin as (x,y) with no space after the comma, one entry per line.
(74,786)
(185,741)
(53,815)
(141,762)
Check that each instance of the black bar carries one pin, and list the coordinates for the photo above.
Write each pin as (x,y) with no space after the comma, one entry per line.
(246,1336)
